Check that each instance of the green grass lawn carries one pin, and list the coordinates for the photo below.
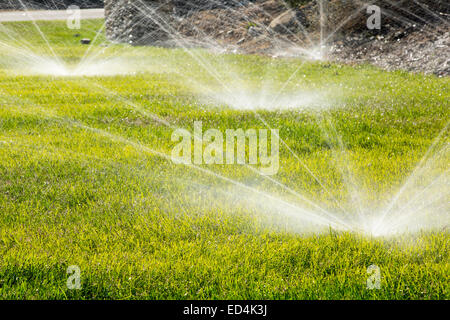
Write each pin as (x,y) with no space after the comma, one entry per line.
(80,183)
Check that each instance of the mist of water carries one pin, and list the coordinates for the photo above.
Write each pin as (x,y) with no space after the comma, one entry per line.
(421,203)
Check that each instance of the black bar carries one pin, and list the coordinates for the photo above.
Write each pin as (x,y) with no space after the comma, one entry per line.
(224,309)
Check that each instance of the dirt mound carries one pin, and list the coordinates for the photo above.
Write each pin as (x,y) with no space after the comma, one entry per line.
(244,30)
(352,15)
(420,48)
(413,35)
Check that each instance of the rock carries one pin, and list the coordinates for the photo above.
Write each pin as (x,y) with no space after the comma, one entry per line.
(254,32)
(142,25)
(285,23)
(85,41)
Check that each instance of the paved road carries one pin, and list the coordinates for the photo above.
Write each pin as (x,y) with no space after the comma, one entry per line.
(6,16)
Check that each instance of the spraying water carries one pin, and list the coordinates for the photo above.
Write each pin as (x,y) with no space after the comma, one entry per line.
(421,203)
